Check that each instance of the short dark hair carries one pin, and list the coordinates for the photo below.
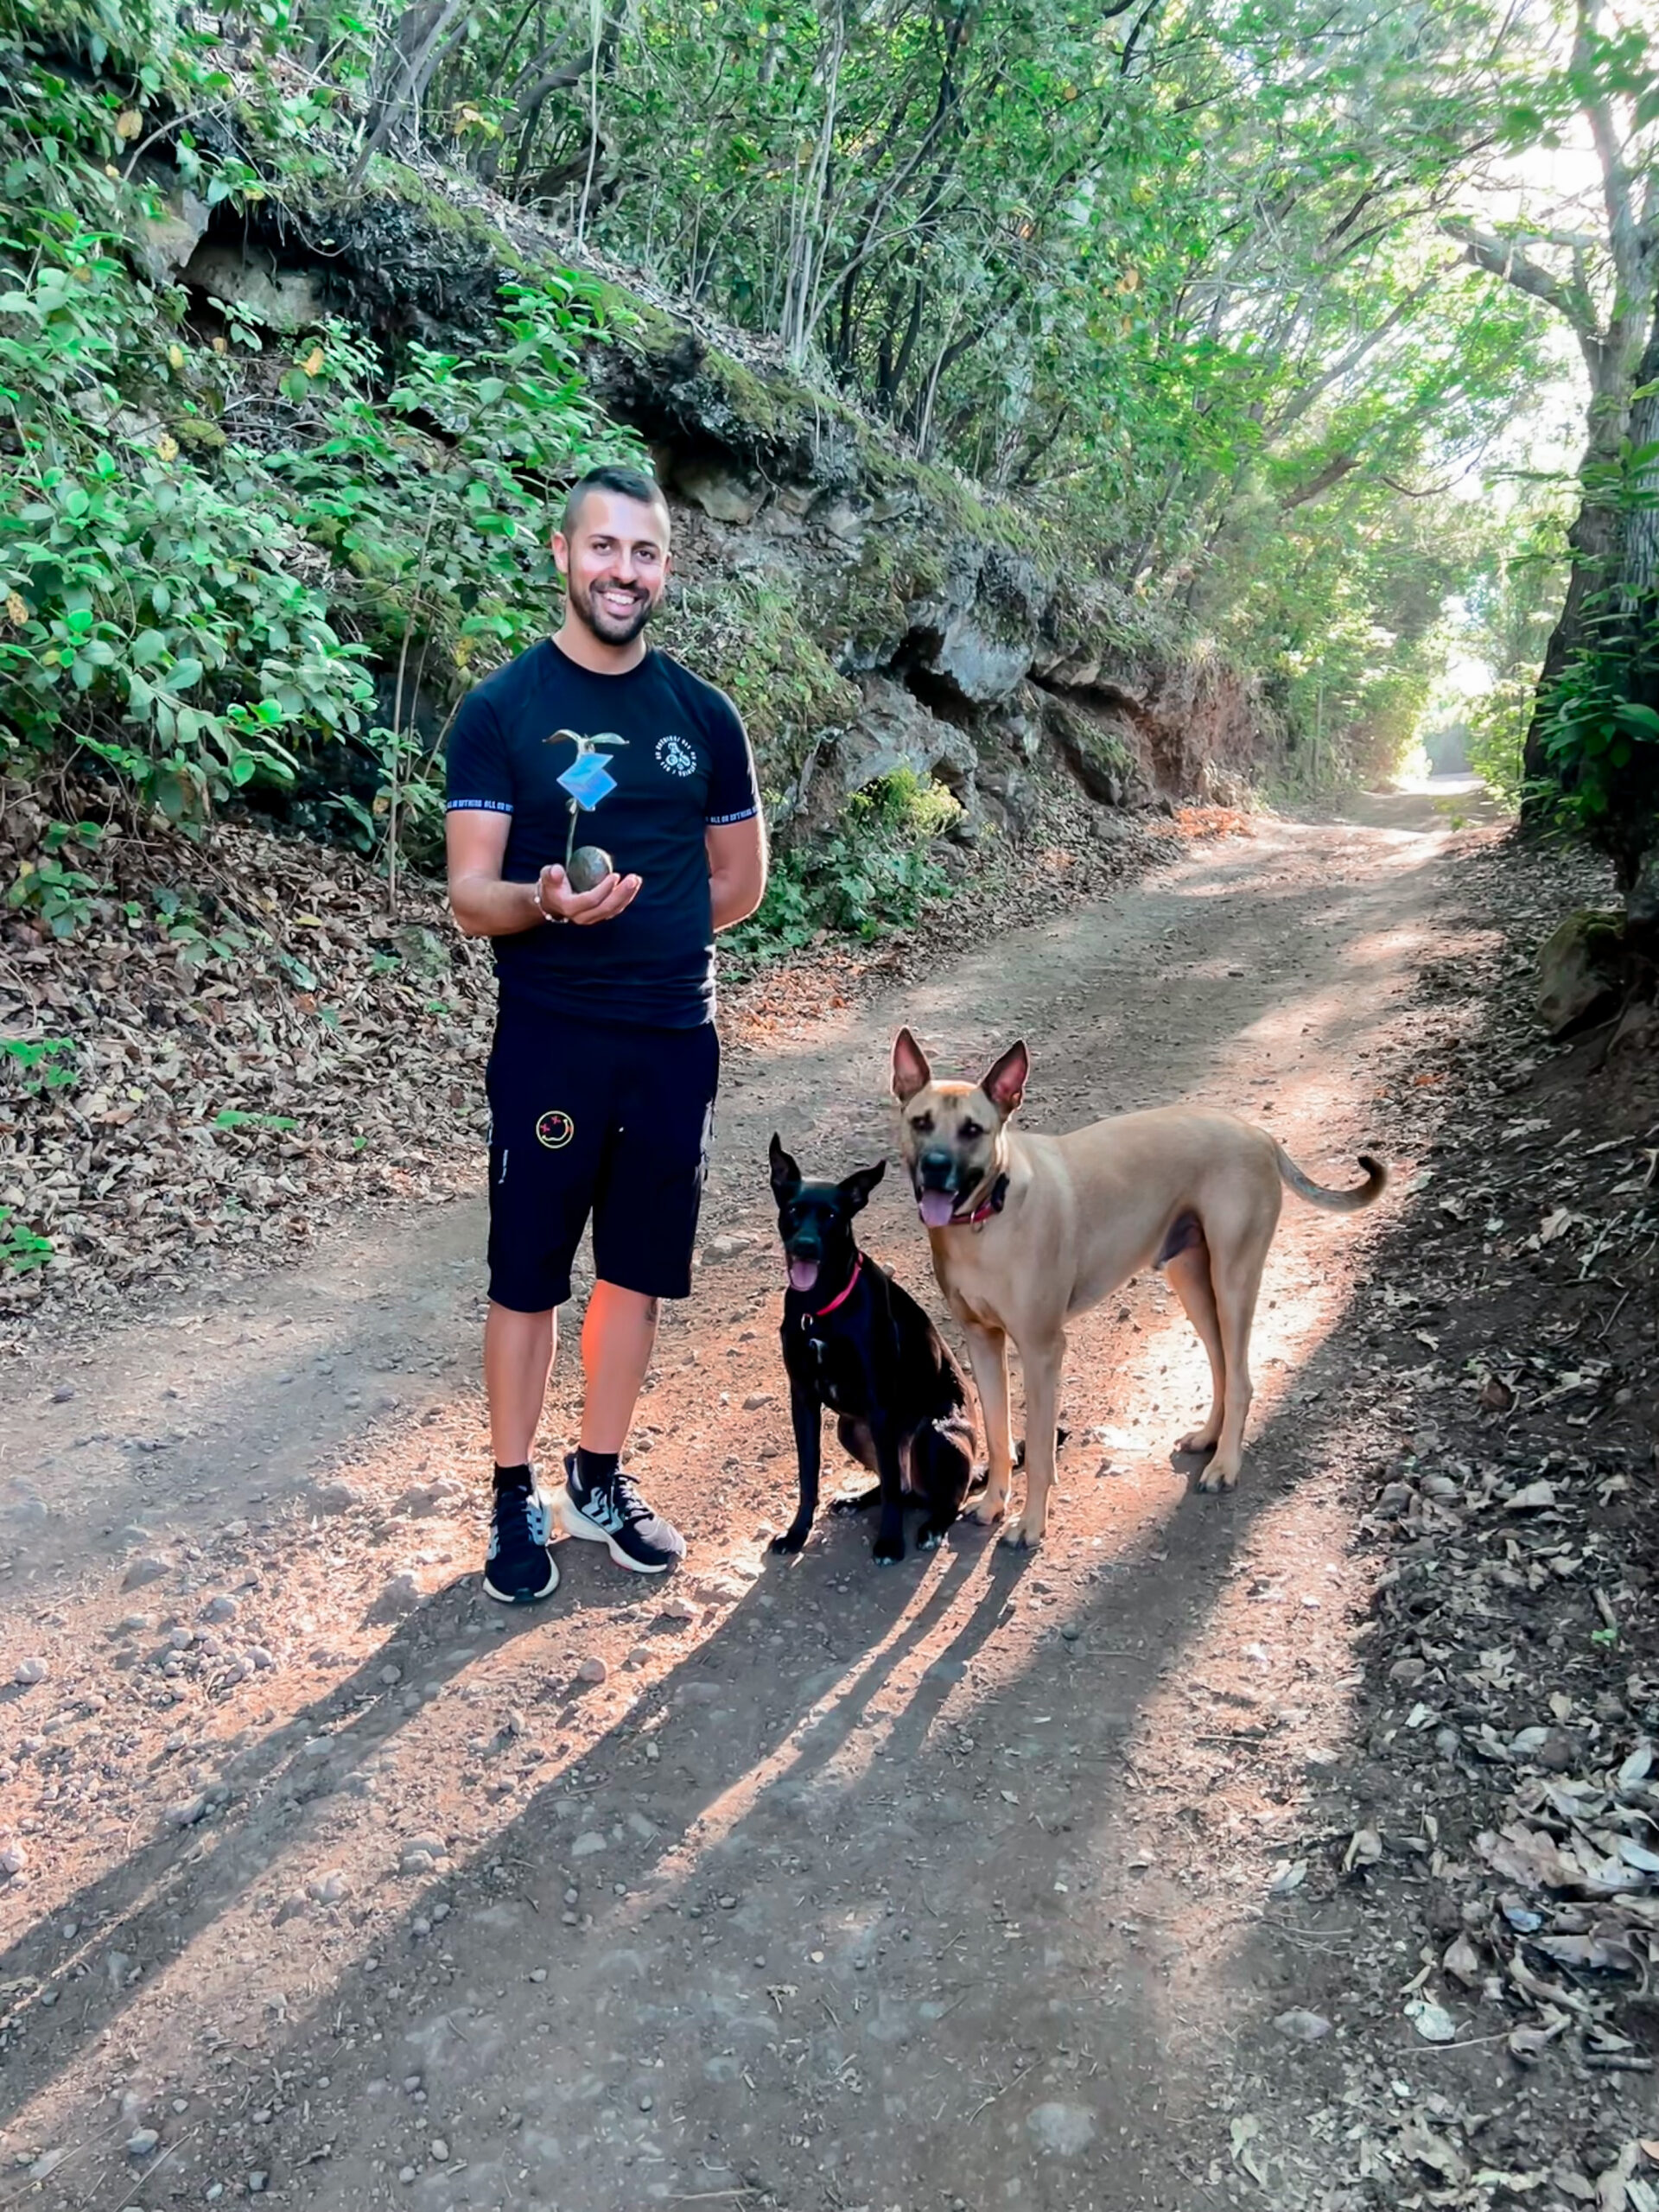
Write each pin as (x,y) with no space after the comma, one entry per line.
(611,476)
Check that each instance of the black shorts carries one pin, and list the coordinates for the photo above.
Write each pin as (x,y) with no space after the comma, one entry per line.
(585,1120)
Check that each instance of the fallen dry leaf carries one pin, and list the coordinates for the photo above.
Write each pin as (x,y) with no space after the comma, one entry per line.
(1462,1961)
(1364,1849)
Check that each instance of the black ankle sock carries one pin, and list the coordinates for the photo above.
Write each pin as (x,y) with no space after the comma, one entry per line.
(594,1469)
(514,1478)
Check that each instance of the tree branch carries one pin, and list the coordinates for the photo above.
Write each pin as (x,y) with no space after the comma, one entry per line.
(1504,257)
(1299,403)
(1410,492)
(407,84)
(557,79)
(1615,177)
(1343,464)
(1126,61)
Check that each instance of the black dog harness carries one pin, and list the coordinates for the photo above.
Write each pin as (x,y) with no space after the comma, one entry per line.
(991,1203)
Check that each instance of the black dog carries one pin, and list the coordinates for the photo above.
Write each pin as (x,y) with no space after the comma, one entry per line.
(855,1342)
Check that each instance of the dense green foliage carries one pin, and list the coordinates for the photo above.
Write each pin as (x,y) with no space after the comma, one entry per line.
(1501,625)
(214,546)
(1171,272)
(1587,76)
(1196,281)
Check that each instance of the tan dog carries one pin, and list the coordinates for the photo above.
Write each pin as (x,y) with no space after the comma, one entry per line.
(1028,1230)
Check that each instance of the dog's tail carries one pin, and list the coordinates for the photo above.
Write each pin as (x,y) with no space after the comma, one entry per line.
(1362,1194)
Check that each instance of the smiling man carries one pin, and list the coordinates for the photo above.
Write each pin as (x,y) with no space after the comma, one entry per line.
(602,1075)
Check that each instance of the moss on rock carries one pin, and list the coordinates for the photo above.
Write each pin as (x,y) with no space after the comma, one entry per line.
(1581,970)
(747,635)
(198,433)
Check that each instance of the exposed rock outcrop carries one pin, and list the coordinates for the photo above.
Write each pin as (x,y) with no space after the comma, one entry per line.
(975,653)
(1581,971)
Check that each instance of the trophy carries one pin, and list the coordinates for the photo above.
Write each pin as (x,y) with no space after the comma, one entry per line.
(587,780)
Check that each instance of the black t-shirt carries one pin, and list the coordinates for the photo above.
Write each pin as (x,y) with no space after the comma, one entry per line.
(684,763)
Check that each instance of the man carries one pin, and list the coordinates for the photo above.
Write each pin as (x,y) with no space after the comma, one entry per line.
(602,1077)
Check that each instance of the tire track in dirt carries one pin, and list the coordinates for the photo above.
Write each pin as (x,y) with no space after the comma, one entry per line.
(935,1887)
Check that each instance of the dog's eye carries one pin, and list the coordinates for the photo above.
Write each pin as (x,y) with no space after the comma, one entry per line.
(968,1130)
(922,1123)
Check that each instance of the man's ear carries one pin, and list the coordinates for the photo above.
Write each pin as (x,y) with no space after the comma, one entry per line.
(1004,1082)
(856,1187)
(785,1175)
(911,1072)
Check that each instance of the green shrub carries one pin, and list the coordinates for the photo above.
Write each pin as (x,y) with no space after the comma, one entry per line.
(21,1250)
(150,617)
(208,552)
(1600,733)
(42,1064)
(872,873)
(1497,736)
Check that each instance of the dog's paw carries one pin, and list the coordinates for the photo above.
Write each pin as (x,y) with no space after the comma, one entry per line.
(1197,1442)
(888,1551)
(1219,1476)
(790,1542)
(1019,1536)
(988,1512)
(932,1536)
(858,1501)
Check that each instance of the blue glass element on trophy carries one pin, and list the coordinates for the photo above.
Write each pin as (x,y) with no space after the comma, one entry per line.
(588,780)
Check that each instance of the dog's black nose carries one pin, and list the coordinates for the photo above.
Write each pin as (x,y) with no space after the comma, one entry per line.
(937,1167)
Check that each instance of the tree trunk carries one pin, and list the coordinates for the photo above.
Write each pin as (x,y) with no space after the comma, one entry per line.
(1640,579)
(1621,358)
(406,69)
(1593,544)
(1633,828)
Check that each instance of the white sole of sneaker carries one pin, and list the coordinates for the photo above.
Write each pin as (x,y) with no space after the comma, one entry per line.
(522,1597)
(576,1524)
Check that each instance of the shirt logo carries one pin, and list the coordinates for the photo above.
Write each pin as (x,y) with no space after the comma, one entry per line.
(677,756)
(555,1130)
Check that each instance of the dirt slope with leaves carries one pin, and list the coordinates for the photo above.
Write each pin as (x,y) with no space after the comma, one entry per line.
(1293,1849)
(241,1034)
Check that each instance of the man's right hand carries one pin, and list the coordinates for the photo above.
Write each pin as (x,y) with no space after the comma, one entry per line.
(602,904)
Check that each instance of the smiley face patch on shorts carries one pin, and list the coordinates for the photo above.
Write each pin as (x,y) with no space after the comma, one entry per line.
(555,1130)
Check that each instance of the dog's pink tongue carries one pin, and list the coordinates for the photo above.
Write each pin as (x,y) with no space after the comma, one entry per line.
(937,1208)
(802,1273)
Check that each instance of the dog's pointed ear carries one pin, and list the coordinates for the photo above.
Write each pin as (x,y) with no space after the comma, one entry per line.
(856,1187)
(1004,1082)
(911,1072)
(785,1175)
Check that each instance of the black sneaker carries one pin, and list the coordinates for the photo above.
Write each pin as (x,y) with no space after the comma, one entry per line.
(614,1513)
(518,1568)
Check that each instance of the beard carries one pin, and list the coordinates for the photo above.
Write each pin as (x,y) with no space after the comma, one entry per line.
(607,627)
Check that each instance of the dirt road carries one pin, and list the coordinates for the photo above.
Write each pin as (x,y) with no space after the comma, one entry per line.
(936,1887)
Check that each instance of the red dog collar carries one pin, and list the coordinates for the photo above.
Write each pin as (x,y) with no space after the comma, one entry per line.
(823,1312)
